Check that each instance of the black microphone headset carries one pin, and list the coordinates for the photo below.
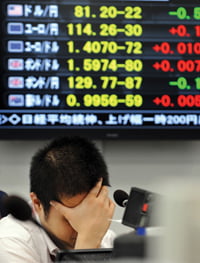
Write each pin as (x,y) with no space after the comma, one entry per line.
(121,198)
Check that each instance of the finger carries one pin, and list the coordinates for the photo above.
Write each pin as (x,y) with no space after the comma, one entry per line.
(103,193)
(61,208)
(96,189)
(111,208)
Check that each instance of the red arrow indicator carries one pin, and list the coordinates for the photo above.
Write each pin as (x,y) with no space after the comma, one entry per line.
(156,65)
(157,101)
(156,48)
(173,30)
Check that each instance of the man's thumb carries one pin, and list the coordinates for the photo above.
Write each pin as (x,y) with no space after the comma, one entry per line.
(60,208)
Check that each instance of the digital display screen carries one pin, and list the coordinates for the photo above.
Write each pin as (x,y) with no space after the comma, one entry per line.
(106,69)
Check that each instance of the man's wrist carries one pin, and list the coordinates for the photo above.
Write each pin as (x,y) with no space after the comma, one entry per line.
(85,242)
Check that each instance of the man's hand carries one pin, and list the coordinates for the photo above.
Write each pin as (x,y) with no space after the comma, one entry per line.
(91,218)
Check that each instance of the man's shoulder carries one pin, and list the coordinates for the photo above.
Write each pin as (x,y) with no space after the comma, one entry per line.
(13,228)
(22,241)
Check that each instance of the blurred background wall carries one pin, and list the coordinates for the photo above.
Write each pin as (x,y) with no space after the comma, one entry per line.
(144,164)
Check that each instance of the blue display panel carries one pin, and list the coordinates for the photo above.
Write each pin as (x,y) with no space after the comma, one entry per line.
(104,69)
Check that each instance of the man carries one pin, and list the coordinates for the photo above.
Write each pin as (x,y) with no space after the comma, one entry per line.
(69,194)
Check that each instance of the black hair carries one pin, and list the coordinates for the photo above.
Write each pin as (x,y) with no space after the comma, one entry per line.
(3,196)
(66,167)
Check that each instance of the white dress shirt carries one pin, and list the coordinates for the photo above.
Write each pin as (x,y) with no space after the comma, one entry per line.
(25,242)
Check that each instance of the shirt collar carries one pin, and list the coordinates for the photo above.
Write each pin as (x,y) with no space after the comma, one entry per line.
(53,249)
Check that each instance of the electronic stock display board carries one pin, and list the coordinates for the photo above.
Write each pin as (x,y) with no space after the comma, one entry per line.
(105,69)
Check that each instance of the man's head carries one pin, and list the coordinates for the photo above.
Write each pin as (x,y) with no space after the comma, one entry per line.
(66,167)
(65,170)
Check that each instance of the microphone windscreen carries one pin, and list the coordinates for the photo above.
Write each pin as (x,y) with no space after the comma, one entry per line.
(18,208)
(120,196)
